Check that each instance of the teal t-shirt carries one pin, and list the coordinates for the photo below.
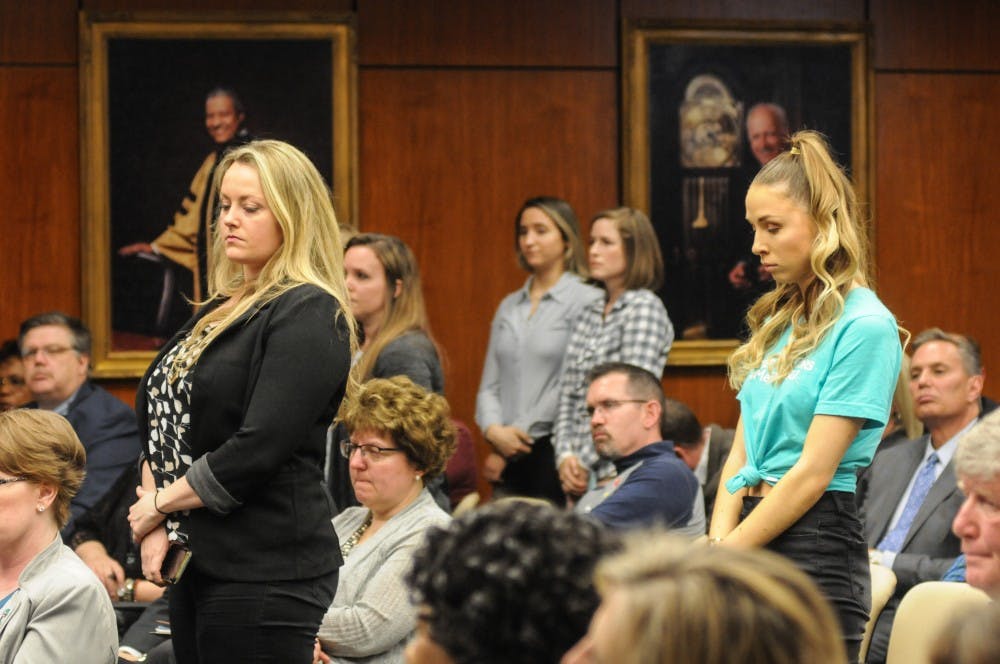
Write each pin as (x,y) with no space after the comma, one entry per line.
(852,373)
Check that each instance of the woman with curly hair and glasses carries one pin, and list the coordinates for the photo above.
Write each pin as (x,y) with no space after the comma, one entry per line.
(815,381)
(507,583)
(401,436)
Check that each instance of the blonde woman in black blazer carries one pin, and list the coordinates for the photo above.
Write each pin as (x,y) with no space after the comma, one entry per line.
(233,414)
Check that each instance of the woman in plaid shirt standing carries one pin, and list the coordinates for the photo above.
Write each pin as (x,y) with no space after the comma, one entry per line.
(630,324)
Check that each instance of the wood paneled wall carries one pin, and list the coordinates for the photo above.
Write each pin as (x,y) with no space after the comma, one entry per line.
(468,107)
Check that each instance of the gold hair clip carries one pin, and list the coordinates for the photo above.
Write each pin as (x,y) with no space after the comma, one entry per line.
(794,150)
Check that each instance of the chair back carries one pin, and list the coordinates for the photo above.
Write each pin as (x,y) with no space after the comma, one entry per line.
(925,610)
(466,504)
(883,586)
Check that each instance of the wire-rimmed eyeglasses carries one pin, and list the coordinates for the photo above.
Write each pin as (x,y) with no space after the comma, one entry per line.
(368,451)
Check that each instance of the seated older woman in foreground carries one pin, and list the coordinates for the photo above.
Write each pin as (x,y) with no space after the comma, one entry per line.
(666,600)
(51,604)
(401,437)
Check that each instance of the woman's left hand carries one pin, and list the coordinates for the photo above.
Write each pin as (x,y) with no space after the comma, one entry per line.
(153,550)
(143,515)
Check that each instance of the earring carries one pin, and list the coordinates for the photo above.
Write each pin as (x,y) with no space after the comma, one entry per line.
(41,508)
(417,477)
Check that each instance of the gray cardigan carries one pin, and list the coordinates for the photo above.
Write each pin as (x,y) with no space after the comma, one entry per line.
(371,617)
(60,610)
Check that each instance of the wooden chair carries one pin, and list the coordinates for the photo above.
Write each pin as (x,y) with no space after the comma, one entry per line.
(923,613)
(468,503)
(883,586)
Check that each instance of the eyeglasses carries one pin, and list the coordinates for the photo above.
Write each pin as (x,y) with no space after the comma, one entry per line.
(11,480)
(13,381)
(609,405)
(49,351)
(370,452)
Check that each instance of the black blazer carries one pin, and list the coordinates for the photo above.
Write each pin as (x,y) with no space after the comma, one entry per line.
(262,396)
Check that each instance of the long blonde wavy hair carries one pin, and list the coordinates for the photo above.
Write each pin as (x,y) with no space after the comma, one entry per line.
(403,313)
(840,259)
(310,253)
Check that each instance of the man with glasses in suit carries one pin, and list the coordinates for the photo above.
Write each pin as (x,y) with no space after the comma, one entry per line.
(55,349)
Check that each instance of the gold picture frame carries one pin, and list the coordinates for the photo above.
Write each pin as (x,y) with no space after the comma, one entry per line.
(144,77)
(686,91)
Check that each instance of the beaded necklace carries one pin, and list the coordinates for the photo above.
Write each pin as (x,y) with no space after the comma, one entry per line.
(188,352)
(348,545)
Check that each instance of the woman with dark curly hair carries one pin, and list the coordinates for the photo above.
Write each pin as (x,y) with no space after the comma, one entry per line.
(508,583)
(401,436)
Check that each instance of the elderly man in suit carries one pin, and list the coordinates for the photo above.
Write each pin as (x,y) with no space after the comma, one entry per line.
(56,352)
(910,496)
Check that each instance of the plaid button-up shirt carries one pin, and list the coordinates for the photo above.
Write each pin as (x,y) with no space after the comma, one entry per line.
(638,331)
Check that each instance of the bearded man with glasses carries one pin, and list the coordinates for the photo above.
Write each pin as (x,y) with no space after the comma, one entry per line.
(55,349)
(652,486)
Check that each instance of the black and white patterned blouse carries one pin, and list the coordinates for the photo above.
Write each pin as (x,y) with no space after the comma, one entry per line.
(168,407)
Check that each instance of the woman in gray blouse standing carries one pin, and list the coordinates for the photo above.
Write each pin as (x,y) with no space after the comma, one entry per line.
(517,400)
(401,436)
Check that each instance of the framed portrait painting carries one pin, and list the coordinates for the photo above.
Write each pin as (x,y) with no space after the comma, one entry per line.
(705,107)
(162,97)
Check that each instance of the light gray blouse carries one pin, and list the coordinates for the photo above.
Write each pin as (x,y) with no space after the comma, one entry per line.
(371,617)
(524,359)
(59,609)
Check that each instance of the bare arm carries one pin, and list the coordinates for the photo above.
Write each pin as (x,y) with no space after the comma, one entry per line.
(826,442)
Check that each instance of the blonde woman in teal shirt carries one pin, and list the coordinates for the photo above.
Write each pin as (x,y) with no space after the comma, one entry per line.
(815,381)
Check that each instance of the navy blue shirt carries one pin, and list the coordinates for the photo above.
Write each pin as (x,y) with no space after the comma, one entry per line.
(660,491)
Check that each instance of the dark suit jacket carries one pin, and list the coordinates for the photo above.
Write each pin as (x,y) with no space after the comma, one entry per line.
(930,547)
(262,396)
(107,429)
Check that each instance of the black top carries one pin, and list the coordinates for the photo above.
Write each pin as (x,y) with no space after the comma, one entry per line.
(262,396)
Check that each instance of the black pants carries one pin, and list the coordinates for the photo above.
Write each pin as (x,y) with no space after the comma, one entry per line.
(212,620)
(533,474)
(828,544)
